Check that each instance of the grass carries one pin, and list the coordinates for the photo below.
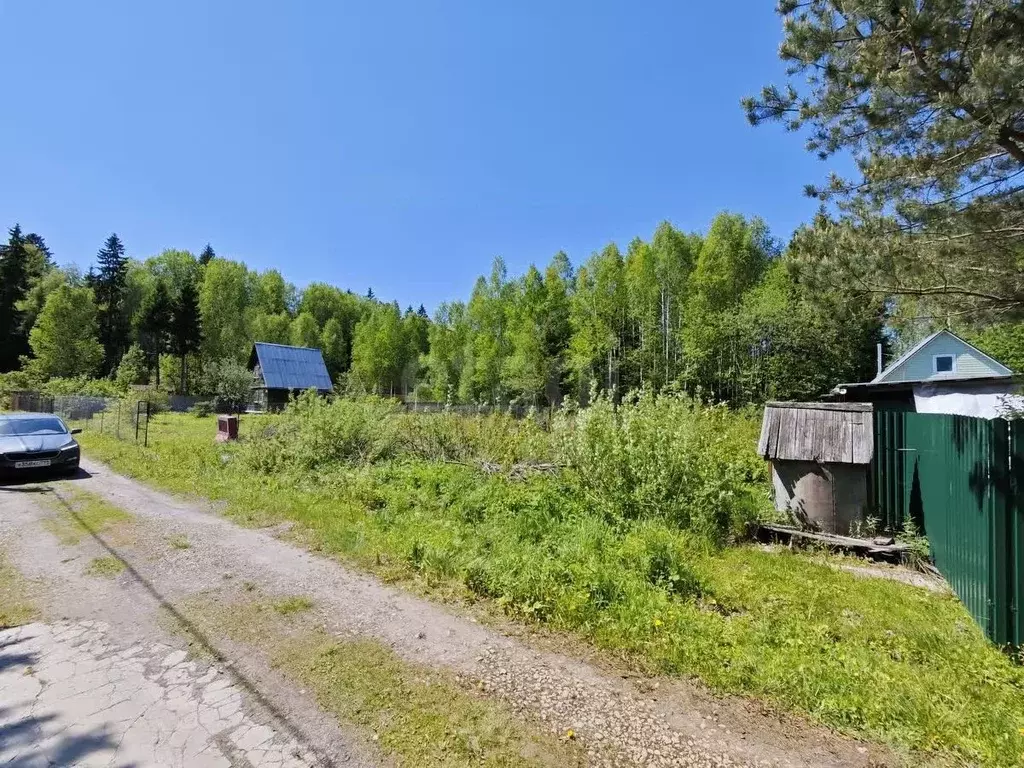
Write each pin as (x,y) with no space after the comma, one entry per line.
(15,607)
(85,514)
(414,715)
(292,605)
(874,658)
(105,567)
(179,541)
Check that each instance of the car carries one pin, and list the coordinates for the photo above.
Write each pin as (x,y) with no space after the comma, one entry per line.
(34,442)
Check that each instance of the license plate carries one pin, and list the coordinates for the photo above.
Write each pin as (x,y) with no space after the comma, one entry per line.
(31,464)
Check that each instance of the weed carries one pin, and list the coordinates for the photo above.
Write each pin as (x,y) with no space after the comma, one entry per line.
(292,605)
(15,607)
(85,514)
(179,541)
(107,566)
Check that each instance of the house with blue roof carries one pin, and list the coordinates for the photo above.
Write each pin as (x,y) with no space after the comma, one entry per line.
(280,372)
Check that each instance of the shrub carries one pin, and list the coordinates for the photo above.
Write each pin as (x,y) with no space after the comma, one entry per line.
(313,434)
(667,456)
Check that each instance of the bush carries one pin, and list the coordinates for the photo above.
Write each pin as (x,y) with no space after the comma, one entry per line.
(81,385)
(202,409)
(133,369)
(670,457)
(314,434)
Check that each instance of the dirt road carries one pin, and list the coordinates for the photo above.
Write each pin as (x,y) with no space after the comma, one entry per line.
(619,721)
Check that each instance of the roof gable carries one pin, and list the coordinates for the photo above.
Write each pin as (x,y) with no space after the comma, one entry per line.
(917,364)
(292,368)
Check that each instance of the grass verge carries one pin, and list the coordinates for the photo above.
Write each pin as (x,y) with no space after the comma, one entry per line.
(88,514)
(416,716)
(15,606)
(873,658)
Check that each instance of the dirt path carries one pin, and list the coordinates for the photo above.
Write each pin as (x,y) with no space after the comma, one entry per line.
(619,721)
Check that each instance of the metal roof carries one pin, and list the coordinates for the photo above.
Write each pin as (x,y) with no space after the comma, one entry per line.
(291,367)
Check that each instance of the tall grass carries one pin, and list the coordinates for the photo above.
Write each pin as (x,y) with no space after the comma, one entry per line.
(626,545)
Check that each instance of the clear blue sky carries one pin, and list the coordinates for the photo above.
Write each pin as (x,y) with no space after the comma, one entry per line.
(399,145)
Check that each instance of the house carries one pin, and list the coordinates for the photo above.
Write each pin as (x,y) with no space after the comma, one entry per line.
(941,374)
(280,372)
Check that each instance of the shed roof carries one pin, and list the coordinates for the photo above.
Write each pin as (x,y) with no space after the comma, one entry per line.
(829,433)
(291,368)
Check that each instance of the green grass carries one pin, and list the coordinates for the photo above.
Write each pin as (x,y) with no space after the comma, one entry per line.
(15,606)
(179,541)
(106,567)
(869,657)
(88,514)
(292,605)
(414,715)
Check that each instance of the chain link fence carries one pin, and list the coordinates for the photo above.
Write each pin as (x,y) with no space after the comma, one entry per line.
(123,418)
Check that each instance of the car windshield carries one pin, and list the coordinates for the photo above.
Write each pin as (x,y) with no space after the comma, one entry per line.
(43,425)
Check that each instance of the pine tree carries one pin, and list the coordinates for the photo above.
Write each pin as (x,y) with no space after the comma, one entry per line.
(13,286)
(186,334)
(369,293)
(155,326)
(109,285)
(422,312)
(207,255)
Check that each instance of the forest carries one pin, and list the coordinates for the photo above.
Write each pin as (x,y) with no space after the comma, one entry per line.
(721,314)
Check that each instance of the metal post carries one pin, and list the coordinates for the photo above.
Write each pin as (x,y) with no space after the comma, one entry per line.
(145,443)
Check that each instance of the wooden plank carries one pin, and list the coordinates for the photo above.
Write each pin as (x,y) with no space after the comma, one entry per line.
(766,428)
(854,407)
(839,541)
(864,441)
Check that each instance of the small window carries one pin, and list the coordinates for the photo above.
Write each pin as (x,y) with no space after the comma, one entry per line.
(943,363)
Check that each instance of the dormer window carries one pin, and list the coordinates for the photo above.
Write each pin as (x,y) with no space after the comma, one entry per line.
(943,363)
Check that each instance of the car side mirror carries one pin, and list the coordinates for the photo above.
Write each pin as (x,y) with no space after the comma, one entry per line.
(76,431)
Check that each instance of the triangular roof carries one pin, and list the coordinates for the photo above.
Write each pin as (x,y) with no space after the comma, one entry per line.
(896,364)
(285,367)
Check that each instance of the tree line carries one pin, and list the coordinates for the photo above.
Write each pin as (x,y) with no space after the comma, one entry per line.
(720,314)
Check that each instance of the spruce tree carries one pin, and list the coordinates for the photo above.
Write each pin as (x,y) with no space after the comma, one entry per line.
(155,326)
(13,286)
(207,255)
(185,328)
(109,288)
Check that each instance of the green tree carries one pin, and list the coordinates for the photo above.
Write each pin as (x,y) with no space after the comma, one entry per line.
(186,330)
(448,338)
(305,332)
(332,343)
(274,329)
(64,340)
(133,368)
(527,368)
(207,255)
(926,98)
(598,314)
(155,326)
(378,351)
(487,340)
(108,286)
(13,287)
(224,297)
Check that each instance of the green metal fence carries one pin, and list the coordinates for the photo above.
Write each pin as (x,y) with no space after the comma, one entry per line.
(958,478)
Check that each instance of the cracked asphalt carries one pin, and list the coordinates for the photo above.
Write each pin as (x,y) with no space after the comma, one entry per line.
(73,695)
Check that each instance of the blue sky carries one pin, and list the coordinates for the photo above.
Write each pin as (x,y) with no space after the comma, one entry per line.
(399,145)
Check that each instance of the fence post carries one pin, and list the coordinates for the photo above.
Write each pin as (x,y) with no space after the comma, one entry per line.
(138,411)
(145,443)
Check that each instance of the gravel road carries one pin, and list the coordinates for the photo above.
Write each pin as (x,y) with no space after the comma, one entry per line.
(620,721)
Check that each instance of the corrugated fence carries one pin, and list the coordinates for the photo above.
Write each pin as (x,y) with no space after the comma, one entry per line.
(960,479)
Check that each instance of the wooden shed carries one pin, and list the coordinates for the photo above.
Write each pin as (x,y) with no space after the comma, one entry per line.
(820,455)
